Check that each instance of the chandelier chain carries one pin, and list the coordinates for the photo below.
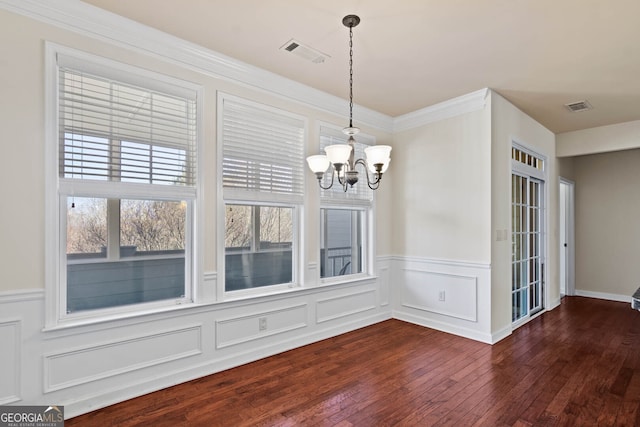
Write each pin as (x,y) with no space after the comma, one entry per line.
(351,76)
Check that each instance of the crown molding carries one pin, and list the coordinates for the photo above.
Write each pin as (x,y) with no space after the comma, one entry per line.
(453,107)
(88,20)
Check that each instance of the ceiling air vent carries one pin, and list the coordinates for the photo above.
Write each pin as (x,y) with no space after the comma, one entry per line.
(579,106)
(305,52)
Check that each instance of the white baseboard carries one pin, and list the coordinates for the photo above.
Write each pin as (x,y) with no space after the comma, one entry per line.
(501,334)
(444,327)
(553,304)
(603,295)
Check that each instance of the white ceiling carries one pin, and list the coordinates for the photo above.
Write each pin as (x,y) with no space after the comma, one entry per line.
(410,54)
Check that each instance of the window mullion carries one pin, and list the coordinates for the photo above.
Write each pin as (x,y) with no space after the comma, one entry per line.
(325,238)
(113,229)
(113,205)
(355,256)
(255,219)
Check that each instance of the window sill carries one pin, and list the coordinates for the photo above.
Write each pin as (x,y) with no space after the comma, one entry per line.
(351,278)
(91,319)
(248,294)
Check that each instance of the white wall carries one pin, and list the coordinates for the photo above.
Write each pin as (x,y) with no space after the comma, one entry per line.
(444,188)
(508,124)
(621,136)
(441,224)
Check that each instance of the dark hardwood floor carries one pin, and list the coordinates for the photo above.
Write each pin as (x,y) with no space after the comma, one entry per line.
(578,365)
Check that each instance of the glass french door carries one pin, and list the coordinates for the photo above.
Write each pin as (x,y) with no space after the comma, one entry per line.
(527,284)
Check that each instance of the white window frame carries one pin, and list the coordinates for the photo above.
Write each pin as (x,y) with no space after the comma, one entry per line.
(368,209)
(523,168)
(236,198)
(58,189)
(365,231)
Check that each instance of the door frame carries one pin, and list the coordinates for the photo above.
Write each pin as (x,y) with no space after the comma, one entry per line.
(568,219)
(540,175)
(542,247)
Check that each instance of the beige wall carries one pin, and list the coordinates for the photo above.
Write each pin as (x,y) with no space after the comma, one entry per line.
(565,167)
(442,188)
(607,230)
(508,124)
(22,178)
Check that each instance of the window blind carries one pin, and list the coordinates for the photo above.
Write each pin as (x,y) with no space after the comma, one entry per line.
(360,194)
(110,130)
(263,153)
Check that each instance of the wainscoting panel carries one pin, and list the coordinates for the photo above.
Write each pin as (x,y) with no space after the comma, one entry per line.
(345,305)
(451,296)
(448,294)
(88,366)
(259,324)
(92,363)
(9,361)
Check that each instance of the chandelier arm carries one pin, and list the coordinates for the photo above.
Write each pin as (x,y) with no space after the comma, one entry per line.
(320,176)
(374,187)
(342,181)
(378,175)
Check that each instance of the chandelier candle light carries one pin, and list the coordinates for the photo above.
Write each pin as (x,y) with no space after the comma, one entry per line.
(341,156)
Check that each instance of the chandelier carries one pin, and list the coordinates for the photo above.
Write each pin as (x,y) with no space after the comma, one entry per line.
(340,157)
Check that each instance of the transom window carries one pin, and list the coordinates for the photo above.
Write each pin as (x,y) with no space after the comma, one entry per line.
(527,158)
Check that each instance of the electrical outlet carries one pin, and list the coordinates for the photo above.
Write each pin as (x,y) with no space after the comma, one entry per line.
(441,296)
(262,323)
